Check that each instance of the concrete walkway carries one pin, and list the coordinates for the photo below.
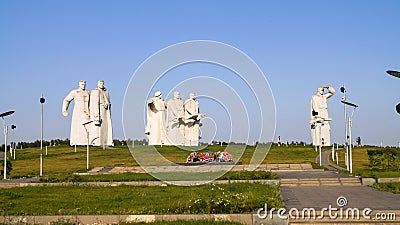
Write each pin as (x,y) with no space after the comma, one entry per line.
(321,196)
(198,168)
(326,163)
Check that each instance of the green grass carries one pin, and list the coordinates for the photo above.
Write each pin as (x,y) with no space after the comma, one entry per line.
(375,173)
(317,166)
(361,165)
(393,187)
(291,154)
(86,200)
(64,161)
(124,177)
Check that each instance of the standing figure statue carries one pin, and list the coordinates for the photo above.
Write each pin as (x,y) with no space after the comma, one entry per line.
(175,124)
(320,127)
(155,128)
(100,113)
(80,114)
(192,120)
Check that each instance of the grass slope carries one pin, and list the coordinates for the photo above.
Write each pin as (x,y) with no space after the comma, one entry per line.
(361,166)
(86,200)
(64,161)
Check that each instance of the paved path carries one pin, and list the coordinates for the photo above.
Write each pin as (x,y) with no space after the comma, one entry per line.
(199,168)
(19,180)
(325,161)
(309,174)
(318,197)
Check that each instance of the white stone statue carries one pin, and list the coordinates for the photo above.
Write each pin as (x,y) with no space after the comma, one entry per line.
(175,124)
(100,113)
(155,128)
(320,127)
(192,120)
(80,113)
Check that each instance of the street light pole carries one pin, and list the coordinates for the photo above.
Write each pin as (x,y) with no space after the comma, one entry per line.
(350,124)
(87,146)
(42,100)
(346,137)
(318,121)
(5,141)
(5,151)
(319,143)
(13,138)
(395,74)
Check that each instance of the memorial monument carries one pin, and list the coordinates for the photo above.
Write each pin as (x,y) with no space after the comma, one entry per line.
(100,113)
(155,129)
(80,113)
(175,124)
(320,127)
(192,120)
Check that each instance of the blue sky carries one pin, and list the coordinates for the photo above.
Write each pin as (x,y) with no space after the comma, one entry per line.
(46,47)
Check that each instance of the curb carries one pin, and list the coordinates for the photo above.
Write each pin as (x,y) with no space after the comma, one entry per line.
(116,219)
(248,219)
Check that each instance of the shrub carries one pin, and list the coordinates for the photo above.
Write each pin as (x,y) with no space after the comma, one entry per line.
(9,167)
(385,159)
(73,178)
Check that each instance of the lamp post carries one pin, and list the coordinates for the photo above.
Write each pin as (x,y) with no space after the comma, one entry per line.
(5,140)
(395,74)
(349,126)
(13,147)
(318,122)
(41,100)
(87,146)
(346,136)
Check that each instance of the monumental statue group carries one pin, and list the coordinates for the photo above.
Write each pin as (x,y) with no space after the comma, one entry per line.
(91,109)
(181,125)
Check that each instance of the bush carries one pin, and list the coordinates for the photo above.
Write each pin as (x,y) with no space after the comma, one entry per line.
(9,167)
(249,175)
(73,178)
(384,159)
(393,187)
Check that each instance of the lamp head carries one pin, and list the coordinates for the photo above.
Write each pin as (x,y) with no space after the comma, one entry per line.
(394,73)
(342,89)
(350,104)
(6,113)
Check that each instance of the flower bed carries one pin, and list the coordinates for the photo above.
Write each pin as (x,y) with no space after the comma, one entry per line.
(206,157)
